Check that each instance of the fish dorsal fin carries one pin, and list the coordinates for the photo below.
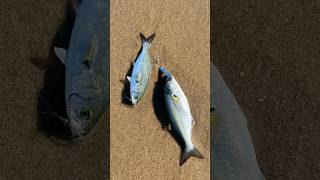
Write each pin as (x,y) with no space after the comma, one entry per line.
(61,53)
(88,57)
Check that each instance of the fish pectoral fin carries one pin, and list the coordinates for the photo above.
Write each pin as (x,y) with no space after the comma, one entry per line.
(175,98)
(129,78)
(192,121)
(61,53)
(169,127)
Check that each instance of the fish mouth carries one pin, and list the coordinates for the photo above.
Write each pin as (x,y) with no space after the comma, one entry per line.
(164,73)
(75,125)
(134,97)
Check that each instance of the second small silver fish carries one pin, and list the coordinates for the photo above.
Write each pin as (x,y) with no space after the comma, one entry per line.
(180,115)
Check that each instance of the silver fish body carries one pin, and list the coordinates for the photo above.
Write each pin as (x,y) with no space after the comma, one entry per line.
(87,67)
(180,115)
(141,71)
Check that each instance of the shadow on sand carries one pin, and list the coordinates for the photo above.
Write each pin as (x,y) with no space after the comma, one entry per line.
(51,97)
(126,88)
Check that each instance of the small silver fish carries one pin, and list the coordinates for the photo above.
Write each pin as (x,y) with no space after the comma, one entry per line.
(141,71)
(180,115)
(87,67)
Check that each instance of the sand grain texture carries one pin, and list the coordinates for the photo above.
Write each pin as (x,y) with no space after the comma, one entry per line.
(268,53)
(140,148)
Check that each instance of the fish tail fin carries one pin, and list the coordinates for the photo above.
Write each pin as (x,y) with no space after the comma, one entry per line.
(147,40)
(188,152)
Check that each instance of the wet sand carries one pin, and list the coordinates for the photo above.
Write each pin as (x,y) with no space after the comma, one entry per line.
(34,146)
(268,53)
(140,147)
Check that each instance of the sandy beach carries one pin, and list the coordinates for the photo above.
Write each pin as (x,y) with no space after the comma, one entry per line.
(140,147)
(268,53)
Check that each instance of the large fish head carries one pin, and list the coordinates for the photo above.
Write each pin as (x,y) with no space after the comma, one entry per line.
(86,104)
(169,81)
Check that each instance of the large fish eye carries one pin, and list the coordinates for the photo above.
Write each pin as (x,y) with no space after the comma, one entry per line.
(86,113)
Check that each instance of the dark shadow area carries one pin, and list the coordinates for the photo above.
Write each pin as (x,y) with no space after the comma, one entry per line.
(52,97)
(161,112)
(126,88)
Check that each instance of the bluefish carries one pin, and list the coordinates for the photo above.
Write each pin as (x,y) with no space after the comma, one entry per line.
(179,114)
(86,67)
(141,71)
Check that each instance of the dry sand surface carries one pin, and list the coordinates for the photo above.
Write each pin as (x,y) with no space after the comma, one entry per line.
(140,148)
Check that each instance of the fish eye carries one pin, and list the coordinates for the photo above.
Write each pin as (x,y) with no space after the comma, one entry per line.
(86,113)
(136,97)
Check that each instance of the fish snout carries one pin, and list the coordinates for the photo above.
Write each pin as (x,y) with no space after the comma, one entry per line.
(75,126)
(165,74)
(134,98)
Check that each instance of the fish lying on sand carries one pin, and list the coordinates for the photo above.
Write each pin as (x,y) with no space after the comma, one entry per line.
(141,71)
(87,67)
(179,113)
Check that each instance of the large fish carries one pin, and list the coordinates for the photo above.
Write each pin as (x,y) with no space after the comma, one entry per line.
(179,113)
(232,151)
(87,66)
(141,71)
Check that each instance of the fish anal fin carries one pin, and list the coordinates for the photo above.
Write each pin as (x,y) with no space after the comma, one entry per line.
(61,53)
(188,153)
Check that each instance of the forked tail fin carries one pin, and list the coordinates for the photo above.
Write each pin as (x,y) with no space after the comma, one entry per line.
(188,153)
(147,40)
